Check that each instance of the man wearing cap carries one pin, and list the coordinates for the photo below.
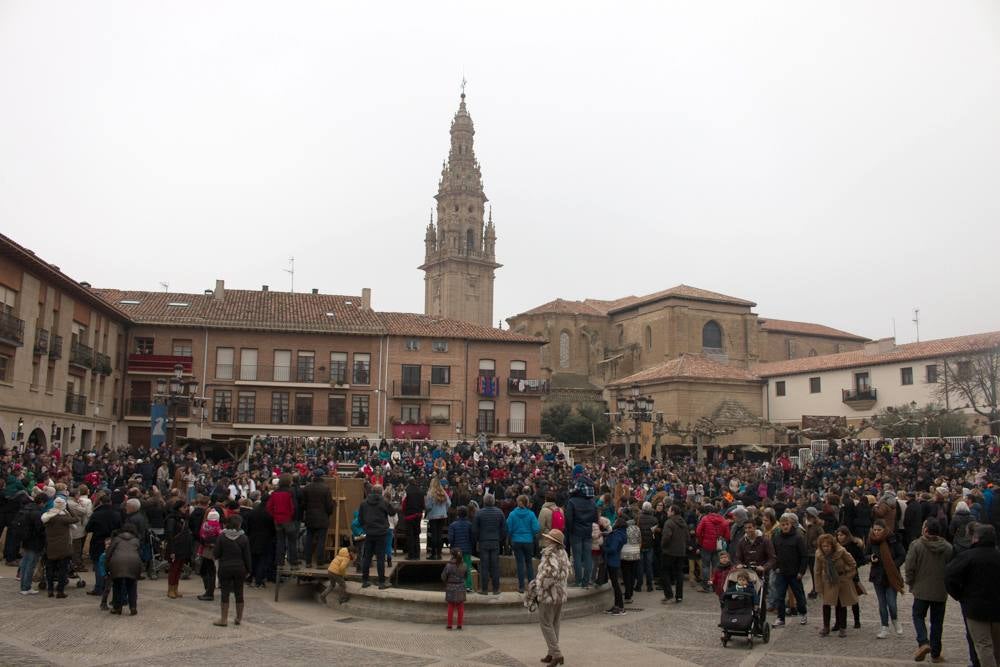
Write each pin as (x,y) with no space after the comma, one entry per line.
(548,589)
(318,507)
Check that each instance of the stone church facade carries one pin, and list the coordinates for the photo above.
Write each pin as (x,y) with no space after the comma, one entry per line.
(460,250)
(691,348)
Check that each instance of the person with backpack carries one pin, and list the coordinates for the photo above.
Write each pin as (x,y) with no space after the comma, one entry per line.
(551,514)
(581,513)
(646,523)
(26,529)
(673,546)
(630,554)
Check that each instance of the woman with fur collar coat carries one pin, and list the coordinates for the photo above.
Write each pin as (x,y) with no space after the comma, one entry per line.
(548,589)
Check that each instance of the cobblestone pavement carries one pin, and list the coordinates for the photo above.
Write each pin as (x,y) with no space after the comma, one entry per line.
(36,630)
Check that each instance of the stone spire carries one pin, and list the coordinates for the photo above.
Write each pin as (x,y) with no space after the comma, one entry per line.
(459,250)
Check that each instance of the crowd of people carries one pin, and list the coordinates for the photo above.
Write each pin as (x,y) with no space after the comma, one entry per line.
(922,516)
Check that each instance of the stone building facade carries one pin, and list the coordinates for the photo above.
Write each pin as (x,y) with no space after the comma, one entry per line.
(460,250)
(595,343)
(61,360)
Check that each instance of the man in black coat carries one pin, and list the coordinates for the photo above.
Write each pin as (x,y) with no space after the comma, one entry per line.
(103,522)
(791,561)
(373,514)
(317,507)
(489,530)
(413,512)
(261,533)
(971,578)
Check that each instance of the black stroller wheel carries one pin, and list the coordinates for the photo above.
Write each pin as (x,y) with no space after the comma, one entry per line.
(766,634)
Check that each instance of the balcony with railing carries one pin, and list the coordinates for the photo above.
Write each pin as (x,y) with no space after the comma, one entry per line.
(280,416)
(102,364)
(11,329)
(300,374)
(516,426)
(81,355)
(525,387)
(76,404)
(411,390)
(158,363)
(860,398)
(142,406)
(41,341)
(55,347)
(486,424)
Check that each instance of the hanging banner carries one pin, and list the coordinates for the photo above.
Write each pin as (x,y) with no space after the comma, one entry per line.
(646,440)
(157,425)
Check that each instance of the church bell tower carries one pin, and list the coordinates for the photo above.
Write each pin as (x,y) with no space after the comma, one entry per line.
(459,253)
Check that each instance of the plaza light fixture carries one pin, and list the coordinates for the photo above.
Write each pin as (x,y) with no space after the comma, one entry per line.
(175,391)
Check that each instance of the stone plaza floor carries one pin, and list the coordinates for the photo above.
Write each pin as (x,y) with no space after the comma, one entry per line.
(37,630)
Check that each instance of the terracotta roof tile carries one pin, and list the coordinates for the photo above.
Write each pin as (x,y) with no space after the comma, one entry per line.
(805,328)
(564,307)
(413,324)
(52,274)
(685,292)
(929,349)
(687,367)
(249,309)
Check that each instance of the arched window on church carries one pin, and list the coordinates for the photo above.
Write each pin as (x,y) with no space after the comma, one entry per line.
(711,336)
(649,337)
(564,349)
(469,240)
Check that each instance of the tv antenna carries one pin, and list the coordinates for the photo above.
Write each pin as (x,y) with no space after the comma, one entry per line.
(916,321)
(291,271)
(165,286)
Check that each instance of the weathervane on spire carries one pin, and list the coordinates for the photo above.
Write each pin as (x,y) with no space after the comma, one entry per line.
(463,86)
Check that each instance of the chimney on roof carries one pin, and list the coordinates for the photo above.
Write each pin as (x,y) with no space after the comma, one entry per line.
(220,290)
(880,346)
(208,292)
(315,291)
(366,297)
(263,288)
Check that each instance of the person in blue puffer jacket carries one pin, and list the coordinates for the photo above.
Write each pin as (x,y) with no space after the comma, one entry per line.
(523,528)
(613,544)
(460,537)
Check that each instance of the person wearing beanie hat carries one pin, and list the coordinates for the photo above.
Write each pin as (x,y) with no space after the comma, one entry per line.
(548,591)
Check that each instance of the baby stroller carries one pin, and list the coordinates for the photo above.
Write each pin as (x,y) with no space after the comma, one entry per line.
(744,614)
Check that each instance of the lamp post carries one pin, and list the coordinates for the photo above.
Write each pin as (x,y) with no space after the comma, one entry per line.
(175,391)
(636,407)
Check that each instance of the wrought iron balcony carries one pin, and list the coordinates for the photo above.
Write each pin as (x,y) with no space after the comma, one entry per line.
(522,386)
(42,341)
(11,329)
(81,355)
(76,404)
(411,389)
(55,347)
(103,364)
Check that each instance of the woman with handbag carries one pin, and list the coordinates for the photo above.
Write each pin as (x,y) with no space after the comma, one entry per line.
(548,591)
(208,535)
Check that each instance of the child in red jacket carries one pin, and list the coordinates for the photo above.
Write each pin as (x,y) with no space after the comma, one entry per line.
(721,572)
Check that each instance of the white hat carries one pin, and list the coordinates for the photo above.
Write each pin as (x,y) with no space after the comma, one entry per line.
(213,515)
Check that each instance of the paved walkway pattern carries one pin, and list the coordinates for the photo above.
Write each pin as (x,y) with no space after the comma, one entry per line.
(36,630)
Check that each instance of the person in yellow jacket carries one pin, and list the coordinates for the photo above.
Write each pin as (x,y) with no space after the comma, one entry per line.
(337,571)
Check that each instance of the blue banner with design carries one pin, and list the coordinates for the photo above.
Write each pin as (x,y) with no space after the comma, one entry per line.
(157,425)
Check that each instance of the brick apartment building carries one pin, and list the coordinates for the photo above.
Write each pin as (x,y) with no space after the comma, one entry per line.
(79,366)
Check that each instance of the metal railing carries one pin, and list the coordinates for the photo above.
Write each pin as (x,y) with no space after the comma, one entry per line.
(55,347)
(41,341)
(487,385)
(527,387)
(142,407)
(411,389)
(295,373)
(848,395)
(81,355)
(280,416)
(76,404)
(486,424)
(102,364)
(516,426)
(11,328)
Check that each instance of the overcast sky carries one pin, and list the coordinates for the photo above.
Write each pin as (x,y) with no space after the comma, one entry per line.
(836,162)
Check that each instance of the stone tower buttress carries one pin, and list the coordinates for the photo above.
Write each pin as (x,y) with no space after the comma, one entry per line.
(459,251)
